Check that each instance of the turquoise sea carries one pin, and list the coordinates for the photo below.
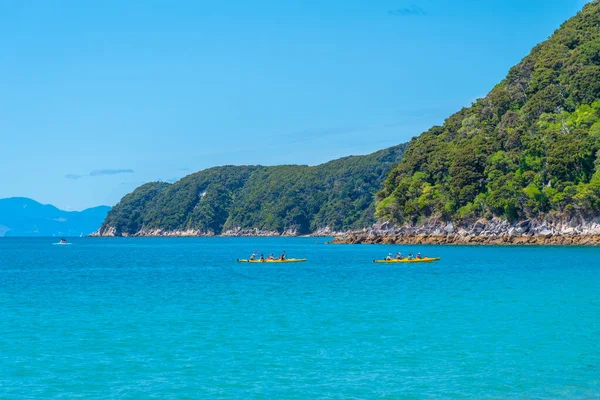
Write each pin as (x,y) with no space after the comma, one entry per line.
(179,318)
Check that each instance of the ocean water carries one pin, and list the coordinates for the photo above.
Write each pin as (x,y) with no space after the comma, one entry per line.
(180,319)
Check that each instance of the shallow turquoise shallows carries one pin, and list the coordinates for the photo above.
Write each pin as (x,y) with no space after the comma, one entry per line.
(180,318)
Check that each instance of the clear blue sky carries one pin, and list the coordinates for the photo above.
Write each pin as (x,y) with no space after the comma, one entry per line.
(98,97)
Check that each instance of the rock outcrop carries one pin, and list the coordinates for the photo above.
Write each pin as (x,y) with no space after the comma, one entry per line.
(236,232)
(495,231)
(239,232)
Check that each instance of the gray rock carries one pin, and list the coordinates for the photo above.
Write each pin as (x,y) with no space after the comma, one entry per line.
(522,227)
(449,228)
(479,226)
(387,226)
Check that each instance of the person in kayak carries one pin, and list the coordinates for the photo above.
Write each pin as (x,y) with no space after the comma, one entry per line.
(389,257)
(271,256)
(399,256)
(253,257)
(262,257)
(410,256)
(282,257)
(419,256)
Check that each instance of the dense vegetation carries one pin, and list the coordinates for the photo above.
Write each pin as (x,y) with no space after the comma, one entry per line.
(339,194)
(528,149)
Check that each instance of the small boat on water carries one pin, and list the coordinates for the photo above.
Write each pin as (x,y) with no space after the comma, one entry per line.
(408,260)
(287,260)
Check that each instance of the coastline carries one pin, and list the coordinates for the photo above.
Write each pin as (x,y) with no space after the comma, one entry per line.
(238,232)
(494,231)
(550,240)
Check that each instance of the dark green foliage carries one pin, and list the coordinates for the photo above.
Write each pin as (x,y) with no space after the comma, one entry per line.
(530,147)
(198,201)
(128,216)
(339,194)
(467,174)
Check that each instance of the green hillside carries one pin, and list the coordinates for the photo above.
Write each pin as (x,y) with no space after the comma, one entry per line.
(528,149)
(339,194)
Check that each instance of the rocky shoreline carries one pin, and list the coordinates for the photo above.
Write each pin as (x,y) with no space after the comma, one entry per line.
(495,231)
(555,240)
(237,232)
(573,232)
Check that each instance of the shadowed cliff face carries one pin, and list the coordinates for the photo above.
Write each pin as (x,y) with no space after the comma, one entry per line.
(290,199)
(25,217)
(528,150)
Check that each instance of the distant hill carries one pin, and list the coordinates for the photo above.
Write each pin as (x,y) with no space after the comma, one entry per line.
(20,216)
(529,150)
(339,194)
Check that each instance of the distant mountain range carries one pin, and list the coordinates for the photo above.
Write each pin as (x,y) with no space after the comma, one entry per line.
(20,216)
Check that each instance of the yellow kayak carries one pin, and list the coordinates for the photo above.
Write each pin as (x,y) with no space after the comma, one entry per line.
(406,260)
(287,260)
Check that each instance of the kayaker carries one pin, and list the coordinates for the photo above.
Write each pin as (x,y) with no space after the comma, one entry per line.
(252,257)
(262,257)
(419,256)
(282,257)
(410,256)
(399,256)
(271,256)
(389,257)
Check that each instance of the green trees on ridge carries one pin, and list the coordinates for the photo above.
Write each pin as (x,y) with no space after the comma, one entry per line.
(339,194)
(528,149)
